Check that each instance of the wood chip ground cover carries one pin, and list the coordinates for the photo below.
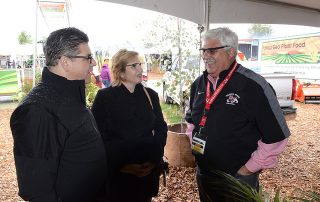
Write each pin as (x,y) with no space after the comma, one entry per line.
(298,169)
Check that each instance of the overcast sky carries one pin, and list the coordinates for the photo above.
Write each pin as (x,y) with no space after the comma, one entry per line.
(108,25)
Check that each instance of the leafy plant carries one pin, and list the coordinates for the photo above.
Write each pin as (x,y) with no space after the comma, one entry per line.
(179,39)
(24,38)
(27,86)
(241,192)
(177,84)
(25,89)
(260,30)
(91,92)
(171,112)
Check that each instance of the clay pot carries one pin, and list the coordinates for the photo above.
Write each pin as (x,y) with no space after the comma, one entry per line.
(178,148)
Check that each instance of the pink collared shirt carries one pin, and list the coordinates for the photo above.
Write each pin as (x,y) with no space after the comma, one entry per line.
(266,155)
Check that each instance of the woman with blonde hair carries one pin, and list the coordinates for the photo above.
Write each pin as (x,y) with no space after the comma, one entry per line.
(130,120)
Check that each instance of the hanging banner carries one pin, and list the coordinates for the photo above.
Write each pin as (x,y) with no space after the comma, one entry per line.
(52,6)
(298,50)
(9,84)
(52,9)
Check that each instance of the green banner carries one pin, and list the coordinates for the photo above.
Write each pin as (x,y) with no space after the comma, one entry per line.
(8,82)
(299,50)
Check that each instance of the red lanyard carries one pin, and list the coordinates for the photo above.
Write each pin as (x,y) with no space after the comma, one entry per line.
(210,100)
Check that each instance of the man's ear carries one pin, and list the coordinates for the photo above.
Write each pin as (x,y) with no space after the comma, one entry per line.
(232,53)
(64,62)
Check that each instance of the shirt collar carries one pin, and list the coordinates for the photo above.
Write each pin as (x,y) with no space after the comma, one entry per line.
(74,89)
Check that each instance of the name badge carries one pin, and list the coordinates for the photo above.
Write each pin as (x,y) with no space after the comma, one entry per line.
(198,145)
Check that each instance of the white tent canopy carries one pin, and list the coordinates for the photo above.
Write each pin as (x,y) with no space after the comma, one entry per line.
(294,12)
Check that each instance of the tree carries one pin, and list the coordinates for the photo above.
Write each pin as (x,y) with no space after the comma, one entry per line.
(24,38)
(260,30)
(167,33)
(181,38)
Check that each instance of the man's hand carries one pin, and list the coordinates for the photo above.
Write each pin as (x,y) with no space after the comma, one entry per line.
(244,171)
(138,170)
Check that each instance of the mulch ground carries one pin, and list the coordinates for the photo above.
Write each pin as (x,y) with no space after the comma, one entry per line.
(298,169)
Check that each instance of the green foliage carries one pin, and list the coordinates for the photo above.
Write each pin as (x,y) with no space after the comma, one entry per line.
(260,30)
(24,38)
(27,86)
(181,38)
(25,89)
(241,192)
(237,190)
(91,91)
(178,83)
(171,112)
(168,32)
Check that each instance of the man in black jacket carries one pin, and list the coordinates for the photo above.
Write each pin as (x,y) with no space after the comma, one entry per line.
(59,153)
(238,124)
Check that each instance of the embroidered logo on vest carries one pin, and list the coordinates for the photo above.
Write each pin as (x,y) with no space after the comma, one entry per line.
(232,99)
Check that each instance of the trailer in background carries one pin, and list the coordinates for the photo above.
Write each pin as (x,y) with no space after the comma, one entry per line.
(308,92)
(298,55)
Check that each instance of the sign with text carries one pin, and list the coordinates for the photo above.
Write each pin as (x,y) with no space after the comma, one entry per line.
(302,50)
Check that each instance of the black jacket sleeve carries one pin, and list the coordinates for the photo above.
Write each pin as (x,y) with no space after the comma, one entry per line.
(37,148)
(269,117)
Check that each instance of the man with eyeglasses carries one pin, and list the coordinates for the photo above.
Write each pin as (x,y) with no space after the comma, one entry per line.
(237,124)
(59,154)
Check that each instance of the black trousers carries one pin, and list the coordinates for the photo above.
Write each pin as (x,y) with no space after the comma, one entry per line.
(215,188)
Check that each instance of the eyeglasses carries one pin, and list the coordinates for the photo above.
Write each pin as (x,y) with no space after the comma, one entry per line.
(135,65)
(211,51)
(89,57)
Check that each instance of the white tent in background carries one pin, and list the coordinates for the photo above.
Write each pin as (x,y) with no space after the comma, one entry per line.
(204,12)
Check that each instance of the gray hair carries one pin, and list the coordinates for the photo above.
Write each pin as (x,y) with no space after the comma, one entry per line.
(61,42)
(226,37)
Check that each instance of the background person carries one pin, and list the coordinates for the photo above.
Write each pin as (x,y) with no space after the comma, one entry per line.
(242,129)
(105,74)
(126,120)
(59,154)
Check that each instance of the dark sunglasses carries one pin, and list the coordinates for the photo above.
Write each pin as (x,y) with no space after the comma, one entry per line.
(89,57)
(134,65)
(211,50)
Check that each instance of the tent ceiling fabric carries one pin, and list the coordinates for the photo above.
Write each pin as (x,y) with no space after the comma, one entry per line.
(304,3)
(295,12)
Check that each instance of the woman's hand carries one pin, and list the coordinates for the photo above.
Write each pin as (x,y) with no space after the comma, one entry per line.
(244,171)
(138,170)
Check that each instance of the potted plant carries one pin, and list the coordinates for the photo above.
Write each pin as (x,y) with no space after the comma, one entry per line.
(178,39)
(176,87)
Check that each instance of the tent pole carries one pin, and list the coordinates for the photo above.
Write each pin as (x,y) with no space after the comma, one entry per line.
(200,29)
(35,48)
(207,6)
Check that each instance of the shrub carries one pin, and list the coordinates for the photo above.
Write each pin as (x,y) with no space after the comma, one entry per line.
(91,91)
